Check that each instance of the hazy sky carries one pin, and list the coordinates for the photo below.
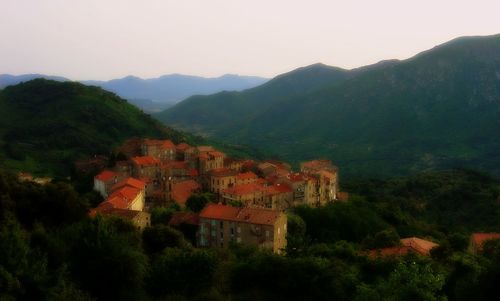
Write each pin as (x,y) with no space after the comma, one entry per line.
(103,39)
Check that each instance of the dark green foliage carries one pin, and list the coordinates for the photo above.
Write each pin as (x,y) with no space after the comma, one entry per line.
(447,201)
(105,257)
(183,272)
(53,204)
(383,239)
(328,223)
(162,215)
(271,277)
(196,202)
(436,110)
(55,258)
(46,125)
(409,281)
(156,238)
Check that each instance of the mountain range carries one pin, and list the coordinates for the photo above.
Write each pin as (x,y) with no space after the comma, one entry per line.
(155,94)
(438,109)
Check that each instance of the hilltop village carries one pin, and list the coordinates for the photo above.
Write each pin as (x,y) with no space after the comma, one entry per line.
(250,197)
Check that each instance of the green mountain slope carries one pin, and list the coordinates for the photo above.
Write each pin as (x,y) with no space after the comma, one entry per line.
(215,114)
(46,125)
(438,109)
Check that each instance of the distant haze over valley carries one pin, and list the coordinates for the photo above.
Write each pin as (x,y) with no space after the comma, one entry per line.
(155,94)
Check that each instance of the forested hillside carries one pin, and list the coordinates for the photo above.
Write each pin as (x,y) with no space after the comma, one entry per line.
(436,110)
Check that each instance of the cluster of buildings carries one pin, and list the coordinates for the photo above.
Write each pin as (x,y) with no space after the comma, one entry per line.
(251,195)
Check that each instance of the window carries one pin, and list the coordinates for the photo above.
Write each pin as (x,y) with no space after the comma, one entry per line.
(238,230)
(221,235)
(232,231)
(267,233)
(221,224)
(213,223)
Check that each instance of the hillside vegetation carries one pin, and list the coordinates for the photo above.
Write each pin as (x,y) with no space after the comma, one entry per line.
(439,109)
(46,125)
(52,250)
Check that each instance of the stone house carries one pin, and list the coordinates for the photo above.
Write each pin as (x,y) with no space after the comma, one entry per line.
(278,196)
(104,181)
(220,179)
(222,225)
(246,178)
(146,167)
(163,150)
(248,194)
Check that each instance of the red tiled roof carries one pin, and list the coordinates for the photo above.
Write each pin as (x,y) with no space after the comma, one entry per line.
(145,160)
(126,193)
(297,177)
(478,239)
(189,218)
(223,172)
(278,189)
(105,175)
(181,191)
(421,246)
(411,244)
(266,165)
(132,182)
(182,146)
(175,165)
(248,164)
(246,215)
(246,176)
(261,181)
(243,189)
(217,154)
(167,144)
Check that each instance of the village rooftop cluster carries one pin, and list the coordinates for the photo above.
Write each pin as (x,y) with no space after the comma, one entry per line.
(251,196)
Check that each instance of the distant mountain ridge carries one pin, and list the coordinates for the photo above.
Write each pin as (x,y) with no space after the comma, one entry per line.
(155,94)
(438,109)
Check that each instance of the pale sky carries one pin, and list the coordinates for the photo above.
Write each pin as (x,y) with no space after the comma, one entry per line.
(104,39)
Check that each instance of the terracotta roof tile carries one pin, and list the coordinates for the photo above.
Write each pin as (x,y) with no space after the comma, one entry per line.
(246,176)
(127,193)
(106,175)
(145,160)
(478,239)
(246,215)
(132,182)
(181,191)
(243,189)
(182,146)
(223,172)
(278,189)
(166,144)
(422,246)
